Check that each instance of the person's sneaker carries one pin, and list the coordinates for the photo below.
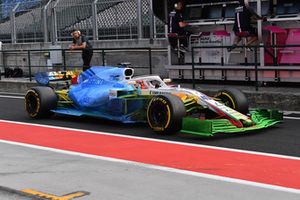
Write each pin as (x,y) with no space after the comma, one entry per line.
(249,49)
(229,49)
(186,48)
(182,49)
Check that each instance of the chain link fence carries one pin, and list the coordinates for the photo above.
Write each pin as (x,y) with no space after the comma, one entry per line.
(21,21)
(53,20)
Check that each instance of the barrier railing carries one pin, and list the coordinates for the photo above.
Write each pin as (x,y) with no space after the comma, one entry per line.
(250,66)
(64,52)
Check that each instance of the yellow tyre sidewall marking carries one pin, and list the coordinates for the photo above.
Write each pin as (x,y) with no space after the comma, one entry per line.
(169,117)
(230,98)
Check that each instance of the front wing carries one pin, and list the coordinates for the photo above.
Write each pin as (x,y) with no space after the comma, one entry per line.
(262,118)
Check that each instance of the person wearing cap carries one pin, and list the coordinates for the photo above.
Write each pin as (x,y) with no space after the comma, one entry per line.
(81,42)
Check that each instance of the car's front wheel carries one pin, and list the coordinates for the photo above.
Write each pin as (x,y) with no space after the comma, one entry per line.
(234,99)
(165,114)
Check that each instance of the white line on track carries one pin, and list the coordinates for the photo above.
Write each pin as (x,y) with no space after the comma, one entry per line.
(155,167)
(291,112)
(296,118)
(12,93)
(11,97)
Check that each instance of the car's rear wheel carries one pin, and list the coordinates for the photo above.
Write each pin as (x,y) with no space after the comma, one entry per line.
(39,101)
(234,99)
(165,114)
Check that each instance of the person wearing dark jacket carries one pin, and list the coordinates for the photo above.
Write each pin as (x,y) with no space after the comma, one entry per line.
(177,25)
(82,42)
(242,24)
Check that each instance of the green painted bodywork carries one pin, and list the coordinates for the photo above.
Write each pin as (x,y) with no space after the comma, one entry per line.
(262,118)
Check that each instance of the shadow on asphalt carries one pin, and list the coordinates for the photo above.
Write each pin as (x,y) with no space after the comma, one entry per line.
(90,123)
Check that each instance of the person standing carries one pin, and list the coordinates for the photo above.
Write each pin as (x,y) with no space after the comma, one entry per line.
(82,42)
(177,25)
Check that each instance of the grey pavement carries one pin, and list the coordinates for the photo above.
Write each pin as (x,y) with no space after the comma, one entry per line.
(60,174)
(4,195)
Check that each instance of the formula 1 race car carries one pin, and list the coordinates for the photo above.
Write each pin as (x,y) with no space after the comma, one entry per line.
(113,93)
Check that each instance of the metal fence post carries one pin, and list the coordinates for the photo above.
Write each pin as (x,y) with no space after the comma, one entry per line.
(256,68)
(29,64)
(64,59)
(46,38)
(54,23)
(139,19)
(53,32)
(150,60)
(103,57)
(260,32)
(151,21)
(193,69)
(2,60)
(94,18)
(13,27)
(13,24)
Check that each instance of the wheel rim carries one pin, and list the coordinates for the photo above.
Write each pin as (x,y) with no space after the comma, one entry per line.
(31,103)
(158,115)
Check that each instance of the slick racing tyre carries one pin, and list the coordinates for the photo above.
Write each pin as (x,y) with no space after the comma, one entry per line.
(234,99)
(39,101)
(165,114)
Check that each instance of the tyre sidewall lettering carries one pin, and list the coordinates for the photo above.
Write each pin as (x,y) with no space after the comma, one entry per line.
(160,100)
(165,103)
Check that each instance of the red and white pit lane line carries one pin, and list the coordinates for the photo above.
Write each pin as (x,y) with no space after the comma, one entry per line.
(264,170)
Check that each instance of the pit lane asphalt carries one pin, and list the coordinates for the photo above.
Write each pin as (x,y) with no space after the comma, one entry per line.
(23,167)
(283,139)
